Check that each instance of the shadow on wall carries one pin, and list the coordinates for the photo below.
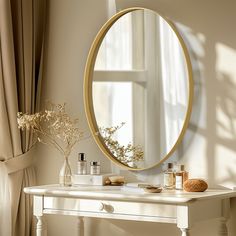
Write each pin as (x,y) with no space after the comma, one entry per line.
(212,45)
(212,40)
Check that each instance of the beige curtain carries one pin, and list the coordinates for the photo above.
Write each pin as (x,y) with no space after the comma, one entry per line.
(21,47)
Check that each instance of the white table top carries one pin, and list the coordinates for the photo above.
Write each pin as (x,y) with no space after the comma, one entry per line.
(116,193)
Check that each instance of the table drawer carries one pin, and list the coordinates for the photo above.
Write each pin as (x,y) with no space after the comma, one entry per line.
(110,207)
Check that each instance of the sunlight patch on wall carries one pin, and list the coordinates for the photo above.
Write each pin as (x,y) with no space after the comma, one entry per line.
(225,166)
(226,96)
(195,158)
(111,8)
(226,58)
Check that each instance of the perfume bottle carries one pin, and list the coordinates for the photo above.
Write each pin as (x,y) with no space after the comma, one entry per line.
(81,164)
(180,177)
(169,177)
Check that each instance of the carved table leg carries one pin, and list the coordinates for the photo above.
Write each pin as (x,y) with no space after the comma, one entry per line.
(80,226)
(184,220)
(223,231)
(185,232)
(41,228)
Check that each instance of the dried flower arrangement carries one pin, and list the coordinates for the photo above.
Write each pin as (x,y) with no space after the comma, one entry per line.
(53,126)
(128,154)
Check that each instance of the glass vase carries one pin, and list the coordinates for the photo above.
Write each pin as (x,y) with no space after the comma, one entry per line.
(65,175)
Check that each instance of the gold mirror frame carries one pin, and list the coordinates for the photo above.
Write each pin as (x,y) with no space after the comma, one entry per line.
(88,79)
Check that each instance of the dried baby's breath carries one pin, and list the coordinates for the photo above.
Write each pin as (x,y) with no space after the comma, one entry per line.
(53,127)
(127,154)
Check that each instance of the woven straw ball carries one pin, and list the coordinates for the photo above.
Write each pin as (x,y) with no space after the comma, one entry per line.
(195,185)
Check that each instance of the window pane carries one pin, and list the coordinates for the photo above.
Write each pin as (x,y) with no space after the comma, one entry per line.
(114,107)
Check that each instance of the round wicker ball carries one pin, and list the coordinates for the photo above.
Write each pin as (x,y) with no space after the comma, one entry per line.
(195,185)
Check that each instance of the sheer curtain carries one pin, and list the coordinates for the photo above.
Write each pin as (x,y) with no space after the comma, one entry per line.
(21,40)
(166,86)
(174,85)
(115,52)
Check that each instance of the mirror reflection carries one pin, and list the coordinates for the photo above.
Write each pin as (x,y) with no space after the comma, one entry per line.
(140,89)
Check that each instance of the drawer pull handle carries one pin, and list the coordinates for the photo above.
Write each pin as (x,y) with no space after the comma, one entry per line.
(102,207)
(106,207)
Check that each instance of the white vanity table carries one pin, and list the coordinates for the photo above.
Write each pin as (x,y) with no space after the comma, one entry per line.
(181,208)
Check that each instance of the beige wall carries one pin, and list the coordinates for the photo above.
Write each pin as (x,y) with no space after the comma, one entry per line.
(209,147)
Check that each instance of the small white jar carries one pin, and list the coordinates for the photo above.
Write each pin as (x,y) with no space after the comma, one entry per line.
(95,168)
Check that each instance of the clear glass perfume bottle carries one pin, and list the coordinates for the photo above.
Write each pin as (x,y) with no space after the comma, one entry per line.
(81,164)
(169,177)
(180,176)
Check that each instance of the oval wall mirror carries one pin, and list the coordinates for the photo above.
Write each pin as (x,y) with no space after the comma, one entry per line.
(138,88)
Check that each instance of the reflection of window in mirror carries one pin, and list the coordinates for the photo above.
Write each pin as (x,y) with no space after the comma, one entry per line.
(113,108)
(118,55)
(124,103)
(140,72)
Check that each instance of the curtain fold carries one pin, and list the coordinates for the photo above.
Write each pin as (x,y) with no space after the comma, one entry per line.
(175,79)
(21,45)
